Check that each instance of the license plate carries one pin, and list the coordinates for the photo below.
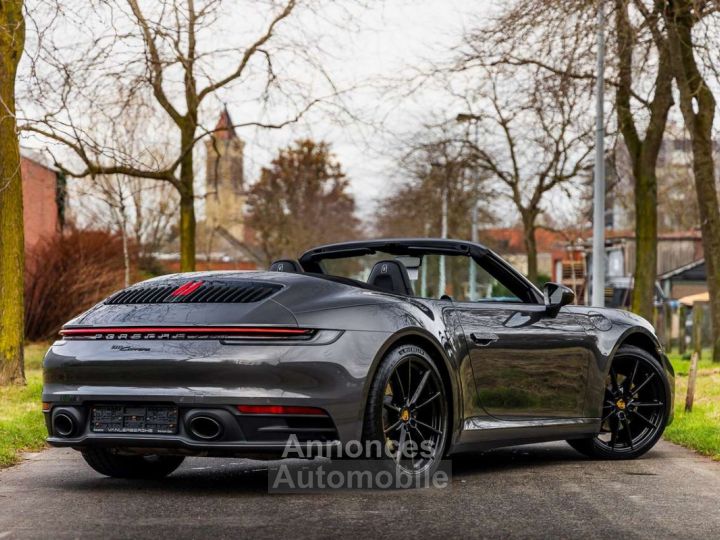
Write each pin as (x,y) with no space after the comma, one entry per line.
(134,419)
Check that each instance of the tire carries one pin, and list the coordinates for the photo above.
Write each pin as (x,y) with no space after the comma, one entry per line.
(107,462)
(635,408)
(423,415)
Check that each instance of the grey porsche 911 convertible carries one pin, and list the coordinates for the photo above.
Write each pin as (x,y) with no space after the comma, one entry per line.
(438,342)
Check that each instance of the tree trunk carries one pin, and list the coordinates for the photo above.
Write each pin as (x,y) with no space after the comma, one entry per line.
(643,154)
(710,227)
(645,240)
(697,105)
(12,249)
(530,247)
(187,208)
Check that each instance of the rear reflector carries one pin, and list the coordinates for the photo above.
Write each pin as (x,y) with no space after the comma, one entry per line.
(151,332)
(278,409)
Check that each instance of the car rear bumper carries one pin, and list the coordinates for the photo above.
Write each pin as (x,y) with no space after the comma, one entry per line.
(213,377)
(261,435)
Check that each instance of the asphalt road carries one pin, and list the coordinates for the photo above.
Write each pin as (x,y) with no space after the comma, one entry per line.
(536,491)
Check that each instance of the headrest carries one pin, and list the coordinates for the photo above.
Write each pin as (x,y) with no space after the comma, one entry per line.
(391,276)
(286,265)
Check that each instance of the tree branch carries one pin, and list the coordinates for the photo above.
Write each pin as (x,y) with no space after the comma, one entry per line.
(249,52)
(94,169)
(155,64)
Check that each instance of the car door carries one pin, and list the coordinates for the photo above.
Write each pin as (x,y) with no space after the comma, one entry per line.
(526,362)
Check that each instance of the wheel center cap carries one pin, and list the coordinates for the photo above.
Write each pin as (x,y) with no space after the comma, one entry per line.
(405,415)
(620,404)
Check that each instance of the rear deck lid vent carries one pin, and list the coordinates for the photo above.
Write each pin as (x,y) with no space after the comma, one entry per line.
(195,292)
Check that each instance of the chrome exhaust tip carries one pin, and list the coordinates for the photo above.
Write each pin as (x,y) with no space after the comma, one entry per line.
(205,427)
(63,424)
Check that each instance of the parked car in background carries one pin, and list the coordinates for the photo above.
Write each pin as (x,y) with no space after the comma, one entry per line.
(619,290)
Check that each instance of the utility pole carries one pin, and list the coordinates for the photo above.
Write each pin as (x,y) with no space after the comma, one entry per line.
(443,234)
(473,270)
(442,176)
(598,252)
(463,118)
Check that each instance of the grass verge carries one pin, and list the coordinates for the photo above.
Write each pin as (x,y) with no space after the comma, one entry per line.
(22,427)
(699,429)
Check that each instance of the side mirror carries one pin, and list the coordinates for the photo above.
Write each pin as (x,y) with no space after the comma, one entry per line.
(557,296)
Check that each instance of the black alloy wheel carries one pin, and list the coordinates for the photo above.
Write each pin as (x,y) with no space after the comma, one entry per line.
(635,407)
(408,411)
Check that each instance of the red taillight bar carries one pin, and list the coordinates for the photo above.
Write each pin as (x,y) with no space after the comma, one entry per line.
(278,409)
(239,330)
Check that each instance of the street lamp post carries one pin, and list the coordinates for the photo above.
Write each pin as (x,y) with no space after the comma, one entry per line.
(598,250)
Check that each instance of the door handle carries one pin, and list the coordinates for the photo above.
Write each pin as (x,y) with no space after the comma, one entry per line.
(483,339)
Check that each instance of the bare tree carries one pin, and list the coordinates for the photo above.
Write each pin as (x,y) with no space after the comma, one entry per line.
(676,200)
(115,195)
(697,104)
(140,211)
(442,166)
(532,137)
(167,55)
(12,251)
(558,37)
(643,149)
(681,36)
(154,207)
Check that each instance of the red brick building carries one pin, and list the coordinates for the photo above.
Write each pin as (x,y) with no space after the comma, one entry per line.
(43,199)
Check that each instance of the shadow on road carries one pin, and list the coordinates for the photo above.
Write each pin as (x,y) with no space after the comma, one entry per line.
(218,476)
(518,457)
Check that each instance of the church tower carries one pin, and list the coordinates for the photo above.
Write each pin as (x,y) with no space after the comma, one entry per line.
(225,194)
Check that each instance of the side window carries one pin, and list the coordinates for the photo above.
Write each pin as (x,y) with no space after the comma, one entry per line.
(463,280)
(487,288)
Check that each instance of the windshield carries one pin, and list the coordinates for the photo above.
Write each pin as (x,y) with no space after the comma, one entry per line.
(431,275)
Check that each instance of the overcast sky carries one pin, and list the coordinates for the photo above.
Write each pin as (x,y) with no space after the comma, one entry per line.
(380,44)
(395,37)
(384,41)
